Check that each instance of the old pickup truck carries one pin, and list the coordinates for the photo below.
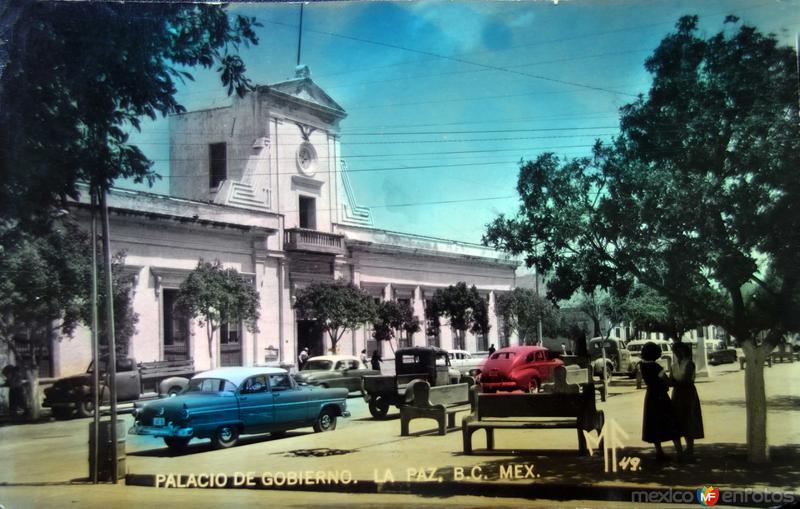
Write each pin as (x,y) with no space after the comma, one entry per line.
(417,363)
(73,394)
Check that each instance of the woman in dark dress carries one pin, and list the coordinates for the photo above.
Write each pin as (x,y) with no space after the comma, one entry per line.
(376,360)
(658,423)
(685,402)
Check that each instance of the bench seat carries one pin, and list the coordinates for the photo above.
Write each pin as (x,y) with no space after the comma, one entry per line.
(533,411)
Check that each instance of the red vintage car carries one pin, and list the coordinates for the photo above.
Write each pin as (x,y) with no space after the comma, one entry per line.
(517,368)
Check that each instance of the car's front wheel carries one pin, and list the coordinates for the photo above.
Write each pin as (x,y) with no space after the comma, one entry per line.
(177,443)
(533,386)
(326,421)
(225,436)
(378,407)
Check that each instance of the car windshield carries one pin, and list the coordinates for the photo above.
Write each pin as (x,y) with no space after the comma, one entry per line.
(633,347)
(210,385)
(319,364)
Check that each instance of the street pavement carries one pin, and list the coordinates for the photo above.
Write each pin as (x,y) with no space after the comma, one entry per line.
(365,461)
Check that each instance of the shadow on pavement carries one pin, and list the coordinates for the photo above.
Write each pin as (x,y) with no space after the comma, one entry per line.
(779,403)
(205,445)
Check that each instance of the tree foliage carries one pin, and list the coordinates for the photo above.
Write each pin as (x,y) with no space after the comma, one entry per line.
(521,310)
(217,295)
(698,198)
(80,75)
(464,309)
(336,307)
(393,319)
(46,283)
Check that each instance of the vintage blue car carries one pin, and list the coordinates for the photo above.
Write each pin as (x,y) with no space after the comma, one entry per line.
(224,403)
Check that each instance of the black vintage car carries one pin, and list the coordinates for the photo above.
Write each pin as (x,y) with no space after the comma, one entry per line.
(416,363)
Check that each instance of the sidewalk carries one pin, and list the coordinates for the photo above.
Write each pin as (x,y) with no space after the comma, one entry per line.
(538,463)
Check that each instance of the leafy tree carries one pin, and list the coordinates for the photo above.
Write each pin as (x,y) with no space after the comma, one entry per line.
(392,320)
(464,308)
(45,290)
(336,307)
(648,310)
(522,309)
(698,197)
(79,75)
(217,295)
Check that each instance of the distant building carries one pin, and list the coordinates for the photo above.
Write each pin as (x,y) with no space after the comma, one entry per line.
(261,186)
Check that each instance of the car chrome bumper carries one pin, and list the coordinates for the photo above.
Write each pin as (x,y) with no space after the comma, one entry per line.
(500,386)
(346,413)
(161,431)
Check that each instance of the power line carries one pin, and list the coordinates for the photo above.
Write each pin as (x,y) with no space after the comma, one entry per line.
(461,60)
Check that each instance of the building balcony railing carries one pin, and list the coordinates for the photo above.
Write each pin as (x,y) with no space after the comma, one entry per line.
(301,239)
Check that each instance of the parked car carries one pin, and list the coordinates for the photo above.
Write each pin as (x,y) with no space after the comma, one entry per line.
(467,363)
(515,368)
(420,362)
(618,359)
(74,394)
(635,348)
(224,403)
(334,371)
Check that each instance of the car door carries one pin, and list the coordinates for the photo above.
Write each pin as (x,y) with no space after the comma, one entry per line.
(352,375)
(255,403)
(290,402)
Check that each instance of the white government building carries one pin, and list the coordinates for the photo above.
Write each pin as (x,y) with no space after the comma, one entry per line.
(261,186)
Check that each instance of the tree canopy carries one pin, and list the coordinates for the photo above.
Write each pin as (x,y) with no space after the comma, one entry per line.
(45,286)
(698,198)
(217,295)
(336,307)
(464,309)
(80,75)
(521,310)
(393,319)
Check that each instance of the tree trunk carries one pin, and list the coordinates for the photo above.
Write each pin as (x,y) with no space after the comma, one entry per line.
(755,402)
(32,393)
(210,334)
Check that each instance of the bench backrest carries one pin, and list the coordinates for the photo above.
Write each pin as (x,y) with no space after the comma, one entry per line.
(534,405)
(449,394)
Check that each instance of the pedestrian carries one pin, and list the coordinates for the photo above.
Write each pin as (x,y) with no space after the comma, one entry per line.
(492,349)
(15,382)
(563,349)
(685,402)
(302,358)
(376,360)
(364,357)
(658,419)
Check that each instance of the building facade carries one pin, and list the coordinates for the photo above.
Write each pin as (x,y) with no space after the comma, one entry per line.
(260,185)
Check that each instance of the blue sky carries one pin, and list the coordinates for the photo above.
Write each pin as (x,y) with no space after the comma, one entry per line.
(445,98)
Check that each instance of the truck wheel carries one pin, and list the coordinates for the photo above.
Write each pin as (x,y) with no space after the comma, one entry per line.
(326,421)
(378,407)
(86,407)
(62,412)
(225,436)
(177,443)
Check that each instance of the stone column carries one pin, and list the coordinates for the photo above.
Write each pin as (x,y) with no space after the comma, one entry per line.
(418,306)
(494,323)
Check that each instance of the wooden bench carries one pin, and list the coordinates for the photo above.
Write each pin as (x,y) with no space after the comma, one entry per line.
(784,356)
(426,402)
(533,411)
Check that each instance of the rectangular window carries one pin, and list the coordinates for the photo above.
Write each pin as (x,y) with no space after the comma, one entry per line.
(308,213)
(217,164)
(176,327)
